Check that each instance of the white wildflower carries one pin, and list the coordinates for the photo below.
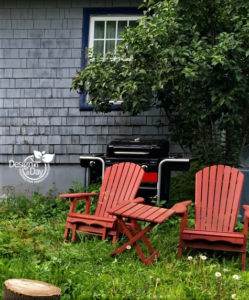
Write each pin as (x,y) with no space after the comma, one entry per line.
(217,274)
(190,258)
(236,277)
(203,257)
(128,247)
(234,296)
(225,270)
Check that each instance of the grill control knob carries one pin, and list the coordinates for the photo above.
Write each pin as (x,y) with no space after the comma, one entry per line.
(144,167)
(92,163)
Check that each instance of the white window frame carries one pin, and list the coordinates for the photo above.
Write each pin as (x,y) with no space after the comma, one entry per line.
(106,18)
(106,13)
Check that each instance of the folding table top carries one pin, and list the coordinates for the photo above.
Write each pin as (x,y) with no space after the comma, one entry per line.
(142,212)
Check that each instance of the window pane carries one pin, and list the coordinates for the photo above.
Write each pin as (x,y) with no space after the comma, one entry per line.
(99,29)
(133,24)
(110,29)
(118,43)
(98,47)
(110,46)
(121,27)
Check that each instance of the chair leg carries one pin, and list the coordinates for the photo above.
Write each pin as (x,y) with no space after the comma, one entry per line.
(243,265)
(179,251)
(116,234)
(114,239)
(66,234)
(74,226)
(104,234)
(132,226)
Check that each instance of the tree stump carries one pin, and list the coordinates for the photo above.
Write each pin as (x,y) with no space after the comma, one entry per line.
(25,289)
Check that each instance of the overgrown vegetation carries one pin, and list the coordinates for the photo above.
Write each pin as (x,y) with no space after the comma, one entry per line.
(182,186)
(190,58)
(31,246)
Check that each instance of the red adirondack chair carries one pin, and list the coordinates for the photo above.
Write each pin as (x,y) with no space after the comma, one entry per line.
(218,192)
(120,183)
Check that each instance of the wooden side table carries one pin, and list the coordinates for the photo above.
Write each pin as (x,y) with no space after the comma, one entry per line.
(141,212)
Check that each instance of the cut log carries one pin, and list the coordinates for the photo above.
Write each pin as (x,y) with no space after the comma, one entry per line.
(25,289)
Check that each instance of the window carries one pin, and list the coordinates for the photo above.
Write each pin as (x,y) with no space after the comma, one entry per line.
(102,28)
(105,32)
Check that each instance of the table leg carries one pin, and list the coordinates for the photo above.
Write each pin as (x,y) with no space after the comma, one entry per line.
(144,238)
(133,239)
(154,253)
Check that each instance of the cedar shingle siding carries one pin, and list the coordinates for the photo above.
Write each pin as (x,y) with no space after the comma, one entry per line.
(40,51)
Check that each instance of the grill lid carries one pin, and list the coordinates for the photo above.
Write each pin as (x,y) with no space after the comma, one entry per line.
(150,148)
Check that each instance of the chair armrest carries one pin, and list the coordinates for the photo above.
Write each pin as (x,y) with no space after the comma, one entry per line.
(74,197)
(246,214)
(246,207)
(246,220)
(181,207)
(77,196)
(138,200)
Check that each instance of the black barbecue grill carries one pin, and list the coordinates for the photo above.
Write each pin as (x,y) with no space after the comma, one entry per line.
(151,154)
(138,148)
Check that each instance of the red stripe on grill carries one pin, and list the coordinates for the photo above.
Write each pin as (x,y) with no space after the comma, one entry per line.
(150,177)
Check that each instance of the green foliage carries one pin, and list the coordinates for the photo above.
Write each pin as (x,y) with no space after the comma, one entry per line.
(190,58)
(38,207)
(46,207)
(182,186)
(79,188)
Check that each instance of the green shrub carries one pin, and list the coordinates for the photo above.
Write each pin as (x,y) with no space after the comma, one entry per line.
(77,187)
(182,186)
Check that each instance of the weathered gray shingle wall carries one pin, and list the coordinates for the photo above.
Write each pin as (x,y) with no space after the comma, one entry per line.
(40,50)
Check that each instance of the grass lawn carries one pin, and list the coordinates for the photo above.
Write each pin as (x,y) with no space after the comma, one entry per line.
(31,247)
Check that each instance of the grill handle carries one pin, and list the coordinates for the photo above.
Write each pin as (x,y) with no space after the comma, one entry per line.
(130,153)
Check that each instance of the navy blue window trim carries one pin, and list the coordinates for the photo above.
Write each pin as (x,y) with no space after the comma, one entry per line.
(87,12)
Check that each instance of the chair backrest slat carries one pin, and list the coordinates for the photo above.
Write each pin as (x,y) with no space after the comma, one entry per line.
(204,198)
(213,171)
(117,186)
(236,202)
(230,203)
(130,184)
(106,189)
(218,192)
(217,196)
(120,182)
(120,186)
(198,195)
(224,197)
